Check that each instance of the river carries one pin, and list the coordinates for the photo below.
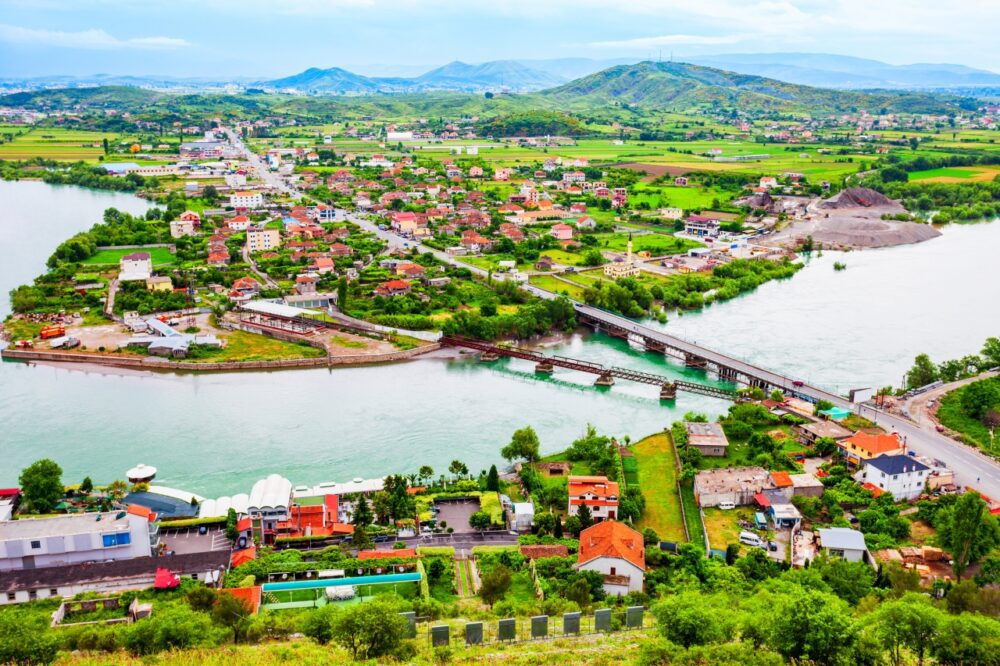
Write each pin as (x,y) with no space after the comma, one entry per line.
(217,433)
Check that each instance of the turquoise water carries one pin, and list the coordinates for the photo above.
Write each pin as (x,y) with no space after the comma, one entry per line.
(216,434)
(383,579)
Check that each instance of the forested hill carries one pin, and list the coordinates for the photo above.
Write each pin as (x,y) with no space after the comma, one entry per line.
(682,86)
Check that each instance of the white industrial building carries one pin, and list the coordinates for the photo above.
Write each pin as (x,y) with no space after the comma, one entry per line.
(270,501)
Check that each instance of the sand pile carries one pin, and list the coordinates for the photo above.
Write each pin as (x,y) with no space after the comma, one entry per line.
(859,197)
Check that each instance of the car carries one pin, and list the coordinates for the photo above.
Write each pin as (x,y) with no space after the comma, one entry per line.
(751,539)
(203,529)
(798,383)
(772,546)
(939,428)
(727,505)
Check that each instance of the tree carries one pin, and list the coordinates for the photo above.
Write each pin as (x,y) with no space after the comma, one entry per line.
(118,489)
(979,397)
(480,520)
(524,444)
(922,373)
(811,625)
(104,144)
(493,479)
(693,618)
(578,591)
(41,485)
(426,472)
(851,581)
(233,614)
(436,569)
(991,352)
(573,525)
(494,585)
(201,598)
(86,486)
(370,630)
(26,642)
(583,514)
(966,639)
(231,520)
(342,294)
(362,516)
(557,528)
(967,531)
(458,468)
(910,622)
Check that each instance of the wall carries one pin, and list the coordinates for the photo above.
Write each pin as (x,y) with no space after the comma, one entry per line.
(622,568)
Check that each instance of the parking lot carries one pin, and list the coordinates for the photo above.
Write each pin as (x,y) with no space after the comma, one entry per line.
(188,540)
(456,513)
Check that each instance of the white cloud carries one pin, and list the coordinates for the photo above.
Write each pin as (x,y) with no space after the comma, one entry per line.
(668,40)
(84,39)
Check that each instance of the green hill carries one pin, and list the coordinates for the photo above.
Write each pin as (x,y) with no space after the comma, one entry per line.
(681,86)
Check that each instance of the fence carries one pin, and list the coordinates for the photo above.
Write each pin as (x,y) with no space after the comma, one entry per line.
(521,629)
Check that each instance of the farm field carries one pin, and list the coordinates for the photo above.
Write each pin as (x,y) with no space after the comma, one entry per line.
(553,284)
(688,198)
(161,256)
(956,174)
(654,243)
(658,481)
(57,144)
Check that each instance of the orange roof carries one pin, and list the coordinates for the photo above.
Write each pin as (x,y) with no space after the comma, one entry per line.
(595,485)
(874,444)
(781,479)
(612,539)
(142,512)
(243,524)
(383,554)
(250,596)
(241,557)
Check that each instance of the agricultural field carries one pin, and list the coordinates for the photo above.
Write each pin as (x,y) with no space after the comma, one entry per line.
(56,144)
(956,174)
(554,284)
(161,256)
(657,472)
(687,197)
(654,243)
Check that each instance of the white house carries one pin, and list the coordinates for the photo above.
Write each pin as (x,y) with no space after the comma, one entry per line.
(246,199)
(617,552)
(597,493)
(135,266)
(902,475)
(36,543)
(179,228)
(844,542)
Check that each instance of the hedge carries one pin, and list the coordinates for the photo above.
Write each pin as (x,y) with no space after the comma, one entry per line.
(448,551)
(192,522)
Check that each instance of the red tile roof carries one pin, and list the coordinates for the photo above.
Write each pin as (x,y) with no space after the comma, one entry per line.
(612,539)
(241,557)
(874,445)
(599,486)
(536,551)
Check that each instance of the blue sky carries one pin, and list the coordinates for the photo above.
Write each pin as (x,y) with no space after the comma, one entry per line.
(268,38)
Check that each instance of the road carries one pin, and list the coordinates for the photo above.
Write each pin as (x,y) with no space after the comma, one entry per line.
(268,282)
(917,407)
(972,468)
(466,541)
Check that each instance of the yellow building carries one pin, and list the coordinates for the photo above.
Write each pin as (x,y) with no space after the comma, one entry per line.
(620,268)
(159,283)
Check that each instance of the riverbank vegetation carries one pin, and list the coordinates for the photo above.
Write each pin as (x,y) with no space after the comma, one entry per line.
(973,411)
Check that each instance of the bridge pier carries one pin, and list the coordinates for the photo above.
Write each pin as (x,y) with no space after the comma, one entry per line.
(616,332)
(544,368)
(668,392)
(604,380)
(727,373)
(488,357)
(692,361)
(654,346)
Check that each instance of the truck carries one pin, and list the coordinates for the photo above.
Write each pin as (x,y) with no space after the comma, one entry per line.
(24,344)
(52,332)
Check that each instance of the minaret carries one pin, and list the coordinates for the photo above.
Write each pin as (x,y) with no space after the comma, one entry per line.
(628,253)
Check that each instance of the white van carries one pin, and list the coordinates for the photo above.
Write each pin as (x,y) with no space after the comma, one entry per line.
(727,505)
(751,539)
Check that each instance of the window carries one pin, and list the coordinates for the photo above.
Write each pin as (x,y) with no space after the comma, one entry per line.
(53,592)
(12,596)
(32,595)
(36,545)
(116,539)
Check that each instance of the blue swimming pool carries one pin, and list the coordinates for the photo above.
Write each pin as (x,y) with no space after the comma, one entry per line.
(382,579)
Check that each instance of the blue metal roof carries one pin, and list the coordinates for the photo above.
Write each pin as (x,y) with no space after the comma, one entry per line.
(897,464)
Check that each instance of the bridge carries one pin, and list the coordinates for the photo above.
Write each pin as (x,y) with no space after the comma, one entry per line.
(605,375)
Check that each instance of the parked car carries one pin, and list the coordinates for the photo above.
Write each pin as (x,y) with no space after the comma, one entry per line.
(772,546)
(798,383)
(751,539)
(203,529)
(939,428)
(727,505)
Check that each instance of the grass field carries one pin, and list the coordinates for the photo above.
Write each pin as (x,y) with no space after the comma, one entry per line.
(658,481)
(57,144)
(654,243)
(558,286)
(953,416)
(161,256)
(956,174)
(243,346)
(722,527)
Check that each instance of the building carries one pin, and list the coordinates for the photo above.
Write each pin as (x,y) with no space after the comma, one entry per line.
(844,542)
(239,223)
(806,485)
(270,500)
(623,267)
(159,283)
(616,551)
(521,516)
(180,228)
(246,199)
(562,232)
(699,225)
(671,213)
(810,432)
(708,438)
(861,446)
(260,239)
(902,475)
(393,288)
(597,492)
(732,485)
(305,284)
(35,543)
(135,266)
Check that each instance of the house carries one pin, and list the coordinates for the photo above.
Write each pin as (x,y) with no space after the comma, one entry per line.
(861,446)
(596,492)
(246,199)
(844,542)
(393,288)
(305,284)
(623,267)
(708,438)
(260,239)
(735,485)
(768,182)
(190,216)
(244,289)
(671,213)
(680,181)
(269,503)
(902,475)
(501,174)
(699,225)
(239,223)
(180,228)
(617,552)
(322,265)
(159,283)
(521,516)
(135,266)
(410,270)
(810,432)
(574,177)
(36,543)
(806,485)
(562,232)
(218,257)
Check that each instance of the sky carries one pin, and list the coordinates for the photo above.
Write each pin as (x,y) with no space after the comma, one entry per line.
(260,39)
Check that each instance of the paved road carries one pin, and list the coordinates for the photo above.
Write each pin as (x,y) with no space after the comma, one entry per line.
(917,407)
(268,282)
(972,468)
(458,541)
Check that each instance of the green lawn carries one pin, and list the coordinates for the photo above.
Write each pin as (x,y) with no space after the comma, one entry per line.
(953,416)
(691,515)
(161,256)
(658,481)
(558,286)
(654,243)
(243,346)
(950,172)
